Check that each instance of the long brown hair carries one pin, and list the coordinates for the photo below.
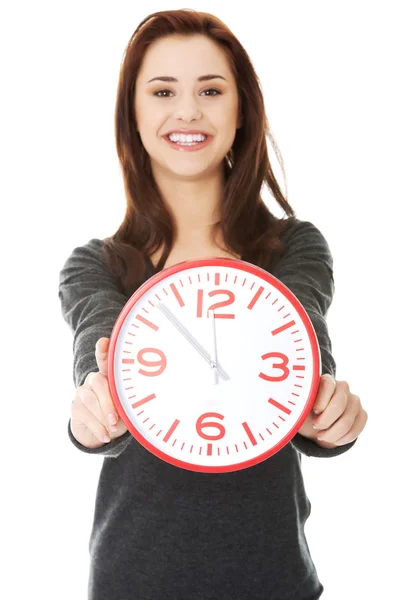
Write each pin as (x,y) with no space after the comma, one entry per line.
(248,228)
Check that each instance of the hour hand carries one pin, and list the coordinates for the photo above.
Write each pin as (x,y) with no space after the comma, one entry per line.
(166,311)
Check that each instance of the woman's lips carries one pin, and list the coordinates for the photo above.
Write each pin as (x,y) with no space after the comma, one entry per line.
(194,148)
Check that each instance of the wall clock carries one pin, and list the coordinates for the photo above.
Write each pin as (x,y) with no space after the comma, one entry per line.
(214,365)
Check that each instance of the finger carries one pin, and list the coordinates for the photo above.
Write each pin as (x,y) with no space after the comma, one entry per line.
(341,426)
(85,419)
(101,352)
(326,388)
(98,399)
(336,407)
(99,383)
(354,431)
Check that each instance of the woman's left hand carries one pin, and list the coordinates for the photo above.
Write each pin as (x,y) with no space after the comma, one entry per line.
(341,418)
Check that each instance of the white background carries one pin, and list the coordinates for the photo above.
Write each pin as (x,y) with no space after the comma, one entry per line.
(329,74)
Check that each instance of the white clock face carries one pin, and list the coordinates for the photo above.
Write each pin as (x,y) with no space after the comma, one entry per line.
(214,365)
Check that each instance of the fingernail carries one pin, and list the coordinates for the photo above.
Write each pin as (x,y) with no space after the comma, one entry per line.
(316,411)
(112,419)
(106,439)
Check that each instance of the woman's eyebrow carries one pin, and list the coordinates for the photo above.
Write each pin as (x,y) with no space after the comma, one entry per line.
(201,78)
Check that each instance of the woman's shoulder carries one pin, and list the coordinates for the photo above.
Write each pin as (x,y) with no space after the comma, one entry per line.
(296,228)
(86,262)
(305,237)
(86,253)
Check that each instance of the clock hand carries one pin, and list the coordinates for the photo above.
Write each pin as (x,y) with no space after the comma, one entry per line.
(214,350)
(191,339)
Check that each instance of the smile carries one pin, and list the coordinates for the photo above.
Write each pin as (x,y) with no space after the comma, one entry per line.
(188,146)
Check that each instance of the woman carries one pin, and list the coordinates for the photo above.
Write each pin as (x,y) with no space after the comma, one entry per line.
(159,531)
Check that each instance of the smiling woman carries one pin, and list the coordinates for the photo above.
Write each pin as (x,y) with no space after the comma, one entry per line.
(160,531)
(187,197)
(185,169)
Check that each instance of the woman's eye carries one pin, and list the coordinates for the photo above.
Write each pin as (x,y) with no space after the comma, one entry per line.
(165,90)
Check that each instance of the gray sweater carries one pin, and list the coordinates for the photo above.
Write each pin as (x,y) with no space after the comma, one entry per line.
(164,533)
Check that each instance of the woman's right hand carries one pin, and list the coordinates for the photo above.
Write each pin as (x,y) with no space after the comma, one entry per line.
(93,405)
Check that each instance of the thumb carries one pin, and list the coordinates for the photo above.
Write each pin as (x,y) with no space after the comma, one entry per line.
(102,346)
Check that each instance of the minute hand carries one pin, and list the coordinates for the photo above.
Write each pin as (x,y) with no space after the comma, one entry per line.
(164,309)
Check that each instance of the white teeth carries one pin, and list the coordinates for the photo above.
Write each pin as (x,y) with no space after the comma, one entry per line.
(180,137)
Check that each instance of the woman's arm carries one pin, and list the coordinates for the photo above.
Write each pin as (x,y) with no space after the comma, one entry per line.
(91,301)
(306,269)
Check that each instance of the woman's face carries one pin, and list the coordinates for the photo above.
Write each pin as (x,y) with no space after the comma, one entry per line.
(187,104)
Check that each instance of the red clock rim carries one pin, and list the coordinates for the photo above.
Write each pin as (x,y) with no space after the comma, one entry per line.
(212,262)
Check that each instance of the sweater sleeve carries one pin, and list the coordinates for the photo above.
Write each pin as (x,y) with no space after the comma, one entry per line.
(91,301)
(306,269)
